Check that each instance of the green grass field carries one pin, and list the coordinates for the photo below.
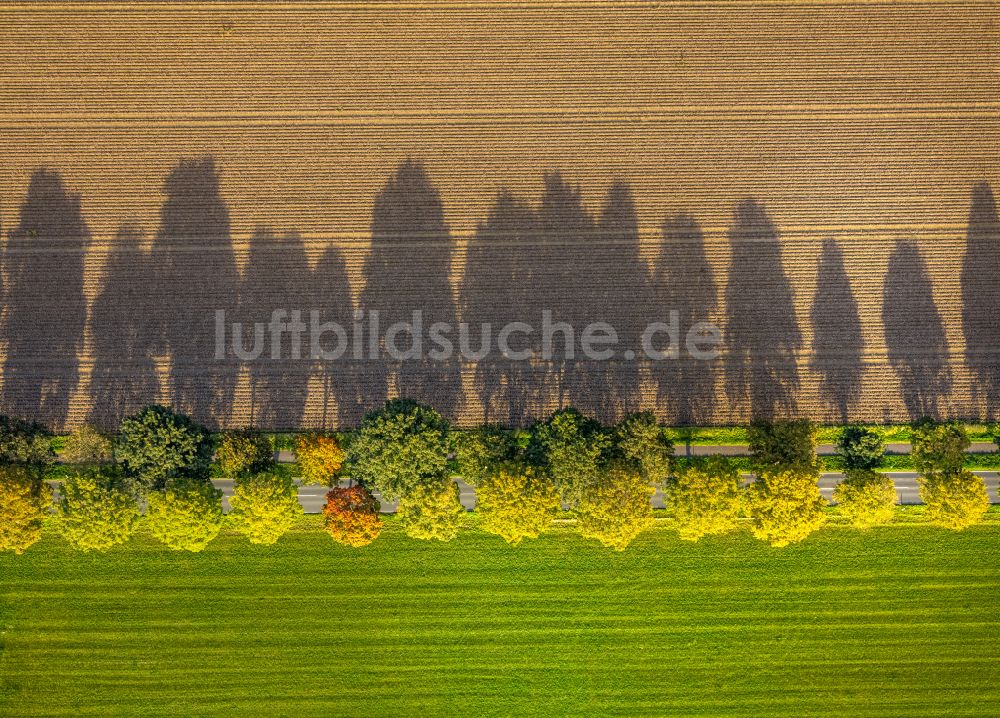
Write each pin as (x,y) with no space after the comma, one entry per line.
(902,621)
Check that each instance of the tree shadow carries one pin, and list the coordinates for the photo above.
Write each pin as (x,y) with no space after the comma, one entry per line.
(408,269)
(124,377)
(495,291)
(914,335)
(762,334)
(564,228)
(197,276)
(685,284)
(610,284)
(981,298)
(46,306)
(341,377)
(277,277)
(837,339)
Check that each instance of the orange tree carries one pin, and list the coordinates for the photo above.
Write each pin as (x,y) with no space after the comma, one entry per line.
(352,516)
(320,458)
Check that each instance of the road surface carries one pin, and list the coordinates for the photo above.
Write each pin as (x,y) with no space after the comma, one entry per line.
(312,497)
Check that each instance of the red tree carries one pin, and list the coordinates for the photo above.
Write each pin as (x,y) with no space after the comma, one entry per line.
(352,516)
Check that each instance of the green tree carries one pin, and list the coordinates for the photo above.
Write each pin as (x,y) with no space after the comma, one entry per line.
(515,503)
(639,441)
(25,500)
(615,508)
(23,442)
(785,506)
(400,448)
(431,512)
(705,498)
(243,453)
(480,452)
(939,447)
(156,445)
(97,510)
(264,507)
(861,447)
(87,445)
(186,514)
(778,445)
(867,498)
(570,448)
(955,500)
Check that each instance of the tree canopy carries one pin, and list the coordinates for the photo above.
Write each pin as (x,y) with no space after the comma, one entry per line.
(242,453)
(516,503)
(641,442)
(615,508)
(954,500)
(782,445)
(939,447)
(24,442)
(400,448)
(705,498)
(785,506)
(186,514)
(157,444)
(264,507)
(480,452)
(97,510)
(352,516)
(319,457)
(569,447)
(867,498)
(25,501)
(861,447)
(431,512)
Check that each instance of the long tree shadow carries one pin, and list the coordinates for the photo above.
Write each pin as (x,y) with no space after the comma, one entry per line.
(565,231)
(124,377)
(498,277)
(197,276)
(981,298)
(611,284)
(276,277)
(46,307)
(914,334)
(408,270)
(685,284)
(762,335)
(837,339)
(341,376)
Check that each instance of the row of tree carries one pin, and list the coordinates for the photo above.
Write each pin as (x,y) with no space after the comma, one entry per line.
(522,259)
(406,451)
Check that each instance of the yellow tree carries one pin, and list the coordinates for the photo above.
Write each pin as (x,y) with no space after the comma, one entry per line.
(615,508)
(24,502)
(319,457)
(264,507)
(785,506)
(704,498)
(515,504)
(955,500)
(96,511)
(186,515)
(866,498)
(431,511)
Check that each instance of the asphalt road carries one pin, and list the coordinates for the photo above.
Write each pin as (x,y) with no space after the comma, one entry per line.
(312,497)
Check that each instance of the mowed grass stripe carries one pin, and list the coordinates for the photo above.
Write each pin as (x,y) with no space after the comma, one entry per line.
(899,621)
